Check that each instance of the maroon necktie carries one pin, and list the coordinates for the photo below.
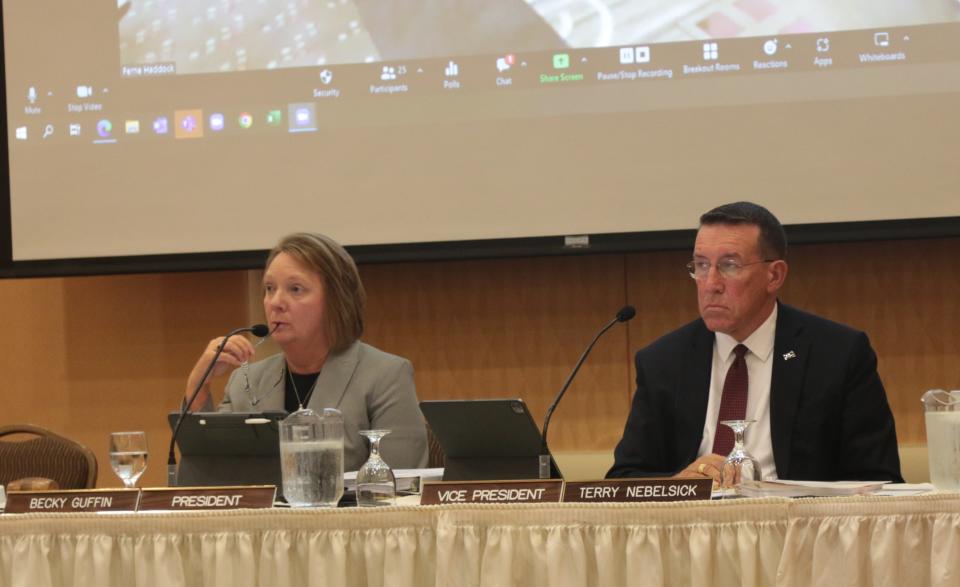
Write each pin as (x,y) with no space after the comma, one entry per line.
(733,402)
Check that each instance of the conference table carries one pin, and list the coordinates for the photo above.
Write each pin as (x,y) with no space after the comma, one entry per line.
(864,540)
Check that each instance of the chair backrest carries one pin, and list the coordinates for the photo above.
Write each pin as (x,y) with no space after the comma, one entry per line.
(49,455)
(435,457)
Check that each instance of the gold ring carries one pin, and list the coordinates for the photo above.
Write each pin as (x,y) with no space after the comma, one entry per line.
(701,468)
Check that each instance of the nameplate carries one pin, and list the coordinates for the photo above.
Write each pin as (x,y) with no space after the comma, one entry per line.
(80,500)
(207,498)
(534,491)
(631,490)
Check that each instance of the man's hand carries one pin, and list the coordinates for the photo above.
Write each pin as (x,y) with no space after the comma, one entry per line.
(705,466)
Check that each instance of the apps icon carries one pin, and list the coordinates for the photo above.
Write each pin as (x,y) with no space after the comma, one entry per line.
(104,128)
(75,129)
(245,120)
(161,125)
(823,45)
(561,61)
(326,77)
(711,52)
(132,127)
(506,62)
(21,133)
(216,122)
(303,117)
(275,117)
(188,124)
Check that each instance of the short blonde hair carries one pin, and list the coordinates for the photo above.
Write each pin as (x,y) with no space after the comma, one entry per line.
(344,293)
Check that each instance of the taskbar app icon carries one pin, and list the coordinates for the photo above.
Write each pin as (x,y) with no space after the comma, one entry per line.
(303,117)
(188,124)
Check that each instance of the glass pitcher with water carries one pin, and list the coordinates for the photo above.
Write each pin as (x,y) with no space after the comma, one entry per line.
(943,437)
(311,457)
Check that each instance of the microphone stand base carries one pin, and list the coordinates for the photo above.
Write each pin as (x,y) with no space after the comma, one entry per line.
(543,467)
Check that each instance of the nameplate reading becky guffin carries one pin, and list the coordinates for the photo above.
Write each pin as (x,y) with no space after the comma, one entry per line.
(79,500)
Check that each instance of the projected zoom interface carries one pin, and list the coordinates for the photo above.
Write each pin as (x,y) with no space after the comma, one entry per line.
(215,36)
(145,106)
(179,70)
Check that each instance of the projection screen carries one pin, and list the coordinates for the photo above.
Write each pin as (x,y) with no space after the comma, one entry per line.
(184,127)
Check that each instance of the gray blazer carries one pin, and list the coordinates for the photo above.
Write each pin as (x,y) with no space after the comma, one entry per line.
(372,389)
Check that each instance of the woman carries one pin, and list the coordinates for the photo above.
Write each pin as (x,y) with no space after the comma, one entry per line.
(313,300)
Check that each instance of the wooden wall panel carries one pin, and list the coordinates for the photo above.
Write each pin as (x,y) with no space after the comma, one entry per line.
(91,355)
(510,328)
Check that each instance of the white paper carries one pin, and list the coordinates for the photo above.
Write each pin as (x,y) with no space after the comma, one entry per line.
(790,488)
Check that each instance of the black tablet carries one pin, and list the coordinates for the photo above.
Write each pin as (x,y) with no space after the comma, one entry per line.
(229,448)
(486,438)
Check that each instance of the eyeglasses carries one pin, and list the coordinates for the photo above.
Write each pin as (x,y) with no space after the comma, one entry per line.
(244,369)
(728,267)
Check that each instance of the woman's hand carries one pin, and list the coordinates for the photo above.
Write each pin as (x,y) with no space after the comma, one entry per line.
(237,351)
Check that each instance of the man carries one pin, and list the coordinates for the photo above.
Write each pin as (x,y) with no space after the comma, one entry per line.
(810,385)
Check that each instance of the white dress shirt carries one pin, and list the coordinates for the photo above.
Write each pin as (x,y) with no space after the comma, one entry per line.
(757,439)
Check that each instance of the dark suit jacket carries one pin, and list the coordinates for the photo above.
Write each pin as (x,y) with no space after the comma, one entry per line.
(829,417)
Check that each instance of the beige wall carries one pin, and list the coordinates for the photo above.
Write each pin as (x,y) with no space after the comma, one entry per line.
(87,356)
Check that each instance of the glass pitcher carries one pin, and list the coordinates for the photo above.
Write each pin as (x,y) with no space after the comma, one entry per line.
(311,458)
(943,437)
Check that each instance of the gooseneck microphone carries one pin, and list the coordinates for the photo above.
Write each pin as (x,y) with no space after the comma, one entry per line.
(624,314)
(258,330)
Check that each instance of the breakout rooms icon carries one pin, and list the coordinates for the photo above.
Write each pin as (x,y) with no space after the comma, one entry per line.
(710,52)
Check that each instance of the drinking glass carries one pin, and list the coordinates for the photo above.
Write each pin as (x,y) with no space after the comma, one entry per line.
(740,465)
(376,485)
(128,456)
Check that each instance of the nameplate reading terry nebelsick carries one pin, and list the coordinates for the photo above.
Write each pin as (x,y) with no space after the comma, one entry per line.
(208,498)
(438,493)
(653,489)
(79,500)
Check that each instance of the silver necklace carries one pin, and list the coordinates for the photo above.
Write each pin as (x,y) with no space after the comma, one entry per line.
(296,391)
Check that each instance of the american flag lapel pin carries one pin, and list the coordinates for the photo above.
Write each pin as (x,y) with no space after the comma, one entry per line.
(789,355)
